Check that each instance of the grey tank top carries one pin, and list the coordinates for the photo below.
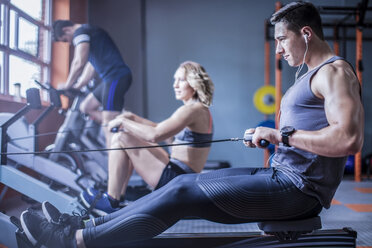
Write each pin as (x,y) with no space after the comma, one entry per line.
(315,175)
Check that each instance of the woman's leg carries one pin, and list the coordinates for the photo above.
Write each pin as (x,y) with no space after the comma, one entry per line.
(107,116)
(119,172)
(148,163)
(255,194)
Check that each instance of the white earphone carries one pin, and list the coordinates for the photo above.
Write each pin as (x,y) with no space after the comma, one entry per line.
(303,61)
(305,37)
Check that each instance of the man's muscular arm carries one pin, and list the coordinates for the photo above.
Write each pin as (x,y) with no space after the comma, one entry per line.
(81,53)
(338,86)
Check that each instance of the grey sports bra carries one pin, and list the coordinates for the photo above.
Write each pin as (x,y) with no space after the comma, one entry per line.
(199,139)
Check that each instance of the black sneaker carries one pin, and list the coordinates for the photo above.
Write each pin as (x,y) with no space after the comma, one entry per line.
(123,202)
(40,232)
(53,215)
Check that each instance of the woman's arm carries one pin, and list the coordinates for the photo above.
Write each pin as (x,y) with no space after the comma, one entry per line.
(181,118)
(136,118)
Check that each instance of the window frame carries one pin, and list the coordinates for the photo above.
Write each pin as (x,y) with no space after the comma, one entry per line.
(44,61)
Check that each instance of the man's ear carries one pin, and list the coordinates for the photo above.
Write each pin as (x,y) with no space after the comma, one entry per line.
(307,32)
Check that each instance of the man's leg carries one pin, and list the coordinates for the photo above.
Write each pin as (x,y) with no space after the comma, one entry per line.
(90,106)
(233,195)
(113,93)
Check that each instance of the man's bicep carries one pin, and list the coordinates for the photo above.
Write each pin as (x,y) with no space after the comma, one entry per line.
(341,98)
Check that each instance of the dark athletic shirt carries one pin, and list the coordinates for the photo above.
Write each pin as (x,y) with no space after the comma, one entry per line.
(316,175)
(103,53)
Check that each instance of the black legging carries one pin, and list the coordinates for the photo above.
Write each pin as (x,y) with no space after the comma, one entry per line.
(233,195)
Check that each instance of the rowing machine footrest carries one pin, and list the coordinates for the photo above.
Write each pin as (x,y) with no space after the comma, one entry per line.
(292,229)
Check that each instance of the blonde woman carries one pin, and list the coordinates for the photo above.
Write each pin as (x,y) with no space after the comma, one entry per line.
(192,122)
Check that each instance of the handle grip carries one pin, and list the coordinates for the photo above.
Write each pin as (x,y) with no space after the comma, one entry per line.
(114,130)
(249,136)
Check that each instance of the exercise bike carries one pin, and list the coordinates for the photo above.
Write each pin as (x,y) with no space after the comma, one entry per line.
(78,133)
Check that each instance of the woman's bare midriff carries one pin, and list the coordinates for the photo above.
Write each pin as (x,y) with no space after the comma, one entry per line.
(194,157)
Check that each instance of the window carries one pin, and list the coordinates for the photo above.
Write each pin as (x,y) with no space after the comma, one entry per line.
(25,44)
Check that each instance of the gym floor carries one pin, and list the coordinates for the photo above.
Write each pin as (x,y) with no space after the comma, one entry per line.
(351,207)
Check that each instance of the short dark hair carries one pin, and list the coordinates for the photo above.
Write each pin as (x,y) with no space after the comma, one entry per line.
(58,26)
(297,15)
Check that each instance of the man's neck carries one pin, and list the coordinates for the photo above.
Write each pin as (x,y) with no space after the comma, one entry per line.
(319,52)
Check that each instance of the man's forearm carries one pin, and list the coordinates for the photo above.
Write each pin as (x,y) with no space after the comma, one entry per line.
(75,71)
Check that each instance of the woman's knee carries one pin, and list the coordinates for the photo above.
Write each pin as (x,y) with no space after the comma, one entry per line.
(121,139)
(115,140)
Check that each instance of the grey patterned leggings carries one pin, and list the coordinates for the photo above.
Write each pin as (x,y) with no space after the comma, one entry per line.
(233,195)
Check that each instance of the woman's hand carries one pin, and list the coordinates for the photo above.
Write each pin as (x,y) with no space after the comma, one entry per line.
(115,123)
(126,114)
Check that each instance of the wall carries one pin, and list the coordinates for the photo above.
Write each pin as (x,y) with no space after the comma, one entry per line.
(227,37)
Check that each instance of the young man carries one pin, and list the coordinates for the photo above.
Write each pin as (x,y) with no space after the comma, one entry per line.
(95,52)
(321,123)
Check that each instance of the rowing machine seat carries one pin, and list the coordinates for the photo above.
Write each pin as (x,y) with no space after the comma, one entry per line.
(290,229)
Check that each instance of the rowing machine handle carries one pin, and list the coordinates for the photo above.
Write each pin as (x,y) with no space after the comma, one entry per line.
(249,136)
(114,130)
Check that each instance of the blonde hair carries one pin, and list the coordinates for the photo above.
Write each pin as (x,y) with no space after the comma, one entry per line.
(200,81)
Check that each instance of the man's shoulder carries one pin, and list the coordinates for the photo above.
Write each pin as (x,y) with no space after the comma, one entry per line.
(337,66)
(335,71)
(81,30)
(332,75)
(88,29)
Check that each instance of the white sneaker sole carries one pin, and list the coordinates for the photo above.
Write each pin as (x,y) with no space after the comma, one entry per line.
(45,212)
